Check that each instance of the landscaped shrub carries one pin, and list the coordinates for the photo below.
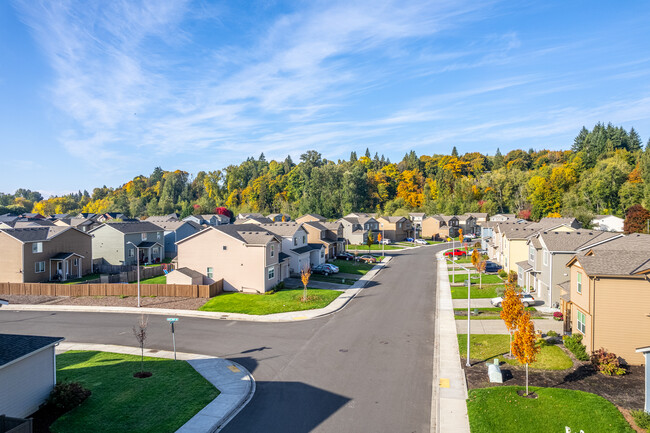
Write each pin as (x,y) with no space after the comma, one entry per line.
(557,315)
(66,396)
(552,334)
(641,418)
(500,291)
(607,363)
(503,273)
(574,344)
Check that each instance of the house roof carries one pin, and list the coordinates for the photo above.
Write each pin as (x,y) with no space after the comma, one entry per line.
(13,347)
(65,256)
(515,232)
(175,225)
(574,241)
(250,215)
(477,214)
(132,227)
(189,272)
(631,242)
(285,229)
(392,219)
(524,265)
(252,234)
(315,246)
(147,244)
(334,226)
(35,234)
(417,214)
(253,220)
(316,224)
(283,256)
(163,218)
(550,223)
(301,250)
(613,262)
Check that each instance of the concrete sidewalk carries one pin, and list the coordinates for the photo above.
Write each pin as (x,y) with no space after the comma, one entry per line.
(235,383)
(449,389)
(498,327)
(336,305)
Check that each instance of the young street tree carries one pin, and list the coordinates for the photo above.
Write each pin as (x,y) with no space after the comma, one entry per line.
(140,332)
(304,277)
(369,240)
(524,346)
(480,267)
(511,311)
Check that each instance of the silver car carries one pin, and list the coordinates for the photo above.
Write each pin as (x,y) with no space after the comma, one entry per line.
(526,299)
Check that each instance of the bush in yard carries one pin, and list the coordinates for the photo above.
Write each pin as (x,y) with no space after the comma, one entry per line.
(500,291)
(574,344)
(607,363)
(503,273)
(641,418)
(558,316)
(552,334)
(66,396)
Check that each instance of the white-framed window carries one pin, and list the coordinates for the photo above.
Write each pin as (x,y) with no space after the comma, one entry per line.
(295,242)
(209,272)
(39,267)
(581,322)
(271,272)
(158,236)
(225,247)
(399,225)
(322,253)
(75,262)
(37,247)
(131,252)
(272,250)
(304,239)
(545,258)
(154,250)
(143,236)
(531,253)
(579,278)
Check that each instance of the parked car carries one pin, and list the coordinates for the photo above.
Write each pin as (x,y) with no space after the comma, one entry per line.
(386,242)
(421,242)
(467,239)
(333,268)
(409,239)
(324,269)
(492,267)
(456,253)
(367,258)
(526,299)
(345,256)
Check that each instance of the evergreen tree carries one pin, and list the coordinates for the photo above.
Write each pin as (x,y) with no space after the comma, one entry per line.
(367,153)
(454,152)
(353,156)
(498,160)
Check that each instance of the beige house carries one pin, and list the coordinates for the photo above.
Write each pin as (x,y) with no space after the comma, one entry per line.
(330,235)
(39,254)
(395,228)
(184,276)
(609,297)
(245,256)
(311,217)
(435,227)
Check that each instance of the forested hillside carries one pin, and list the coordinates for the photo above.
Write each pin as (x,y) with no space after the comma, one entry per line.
(606,171)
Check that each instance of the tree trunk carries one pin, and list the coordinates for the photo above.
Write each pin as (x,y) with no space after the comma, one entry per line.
(510,345)
(526,379)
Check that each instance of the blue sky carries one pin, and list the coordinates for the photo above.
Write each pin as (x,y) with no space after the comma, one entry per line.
(95,92)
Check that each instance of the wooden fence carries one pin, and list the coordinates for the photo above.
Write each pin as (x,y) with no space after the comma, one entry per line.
(172,290)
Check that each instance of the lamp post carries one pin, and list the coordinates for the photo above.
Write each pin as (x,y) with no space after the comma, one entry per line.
(383,240)
(137,256)
(469,299)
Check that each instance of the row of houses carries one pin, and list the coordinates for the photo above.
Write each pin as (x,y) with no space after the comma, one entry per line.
(599,280)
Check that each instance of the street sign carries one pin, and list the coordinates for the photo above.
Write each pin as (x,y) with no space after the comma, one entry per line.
(172,319)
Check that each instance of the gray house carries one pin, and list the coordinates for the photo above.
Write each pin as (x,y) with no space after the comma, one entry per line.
(356,227)
(116,243)
(27,372)
(174,232)
(548,254)
(208,219)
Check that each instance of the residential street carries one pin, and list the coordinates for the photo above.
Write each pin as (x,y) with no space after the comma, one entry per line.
(365,368)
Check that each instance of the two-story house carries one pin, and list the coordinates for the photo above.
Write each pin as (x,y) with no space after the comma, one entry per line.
(208,219)
(609,295)
(246,256)
(480,217)
(548,254)
(468,223)
(416,219)
(395,228)
(295,243)
(119,243)
(356,228)
(330,235)
(435,227)
(38,254)
(175,231)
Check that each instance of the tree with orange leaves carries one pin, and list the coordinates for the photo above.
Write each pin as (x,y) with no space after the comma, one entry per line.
(511,311)
(480,267)
(304,277)
(524,345)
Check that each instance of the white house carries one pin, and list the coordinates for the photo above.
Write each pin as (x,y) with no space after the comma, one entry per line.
(608,223)
(27,372)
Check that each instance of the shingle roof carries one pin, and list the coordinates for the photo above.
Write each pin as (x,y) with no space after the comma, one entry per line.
(316,224)
(550,223)
(259,220)
(631,242)
(147,244)
(13,347)
(132,227)
(248,233)
(189,272)
(315,246)
(477,214)
(64,256)
(175,225)
(614,262)
(392,219)
(574,241)
(513,232)
(35,234)
(283,229)
(301,250)
(524,265)
(283,256)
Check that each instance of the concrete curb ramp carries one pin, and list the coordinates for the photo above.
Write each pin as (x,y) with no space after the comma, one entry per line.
(235,383)
(334,306)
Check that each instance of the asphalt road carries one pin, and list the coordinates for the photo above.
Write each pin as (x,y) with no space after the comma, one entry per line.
(367,368)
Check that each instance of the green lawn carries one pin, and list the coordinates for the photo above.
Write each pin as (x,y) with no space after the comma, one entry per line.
(460,292)
(486,279)
(462,261)
(82,279)
(161,279)
(352,267)
(486,347)
(121,403)
(278,302)
(500,409)
(332,279)
(490,313)
(373,247)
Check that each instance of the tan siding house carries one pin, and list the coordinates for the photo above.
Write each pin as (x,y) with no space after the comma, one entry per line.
(434,227)
(395,228)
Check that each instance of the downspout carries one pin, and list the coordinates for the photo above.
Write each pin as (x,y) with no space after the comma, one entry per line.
(593,315)
(550,278)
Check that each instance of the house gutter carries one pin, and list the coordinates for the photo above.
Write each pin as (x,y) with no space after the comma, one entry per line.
(550,277)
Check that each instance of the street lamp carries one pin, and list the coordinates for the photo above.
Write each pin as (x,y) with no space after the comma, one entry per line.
(137,256)
(383,239)
(469,285)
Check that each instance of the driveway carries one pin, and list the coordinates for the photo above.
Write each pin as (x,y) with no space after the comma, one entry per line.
(498,327)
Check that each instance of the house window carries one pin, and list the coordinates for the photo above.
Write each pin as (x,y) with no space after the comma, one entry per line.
(399,225)
(271,273)
(37,247)
(75,262)
(531,253)
(295,242)
(39,267)
(155,250)
(272,250)
(131,252)
(209,272)
(579,282)
(581,322)
(304,239)
(158,235)
(144,236)
(225,247)
(545,258)
(322,253)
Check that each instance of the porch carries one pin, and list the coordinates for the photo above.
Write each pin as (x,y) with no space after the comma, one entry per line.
(65,266)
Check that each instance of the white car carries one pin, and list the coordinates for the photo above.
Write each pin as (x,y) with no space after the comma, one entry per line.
(385,242)
(421,242)
(526,299)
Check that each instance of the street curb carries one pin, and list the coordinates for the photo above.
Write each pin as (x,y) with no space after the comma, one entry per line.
(335,306)
(216,414)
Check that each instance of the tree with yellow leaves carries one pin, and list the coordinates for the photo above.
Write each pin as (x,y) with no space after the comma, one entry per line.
(524,345)
(512,309)
(480,267)
(304,277)
(475,257)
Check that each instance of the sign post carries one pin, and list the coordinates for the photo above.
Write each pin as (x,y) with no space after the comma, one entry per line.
(171,321)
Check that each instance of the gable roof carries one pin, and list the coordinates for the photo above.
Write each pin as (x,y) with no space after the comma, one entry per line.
(14,347)
(417,214)
(251,234)
(392,219)
(574,241)
(285,229)
(313,215)
(37,234)
(605,263)
(163,218)
(254,220)
(477,214)
(131,227)
(550,223)
(189,272)
(175,225)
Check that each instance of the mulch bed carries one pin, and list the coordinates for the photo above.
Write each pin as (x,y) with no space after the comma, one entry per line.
(625,391)
(110,301)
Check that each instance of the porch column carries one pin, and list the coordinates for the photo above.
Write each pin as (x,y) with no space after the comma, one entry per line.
(79,267)
(646,353)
